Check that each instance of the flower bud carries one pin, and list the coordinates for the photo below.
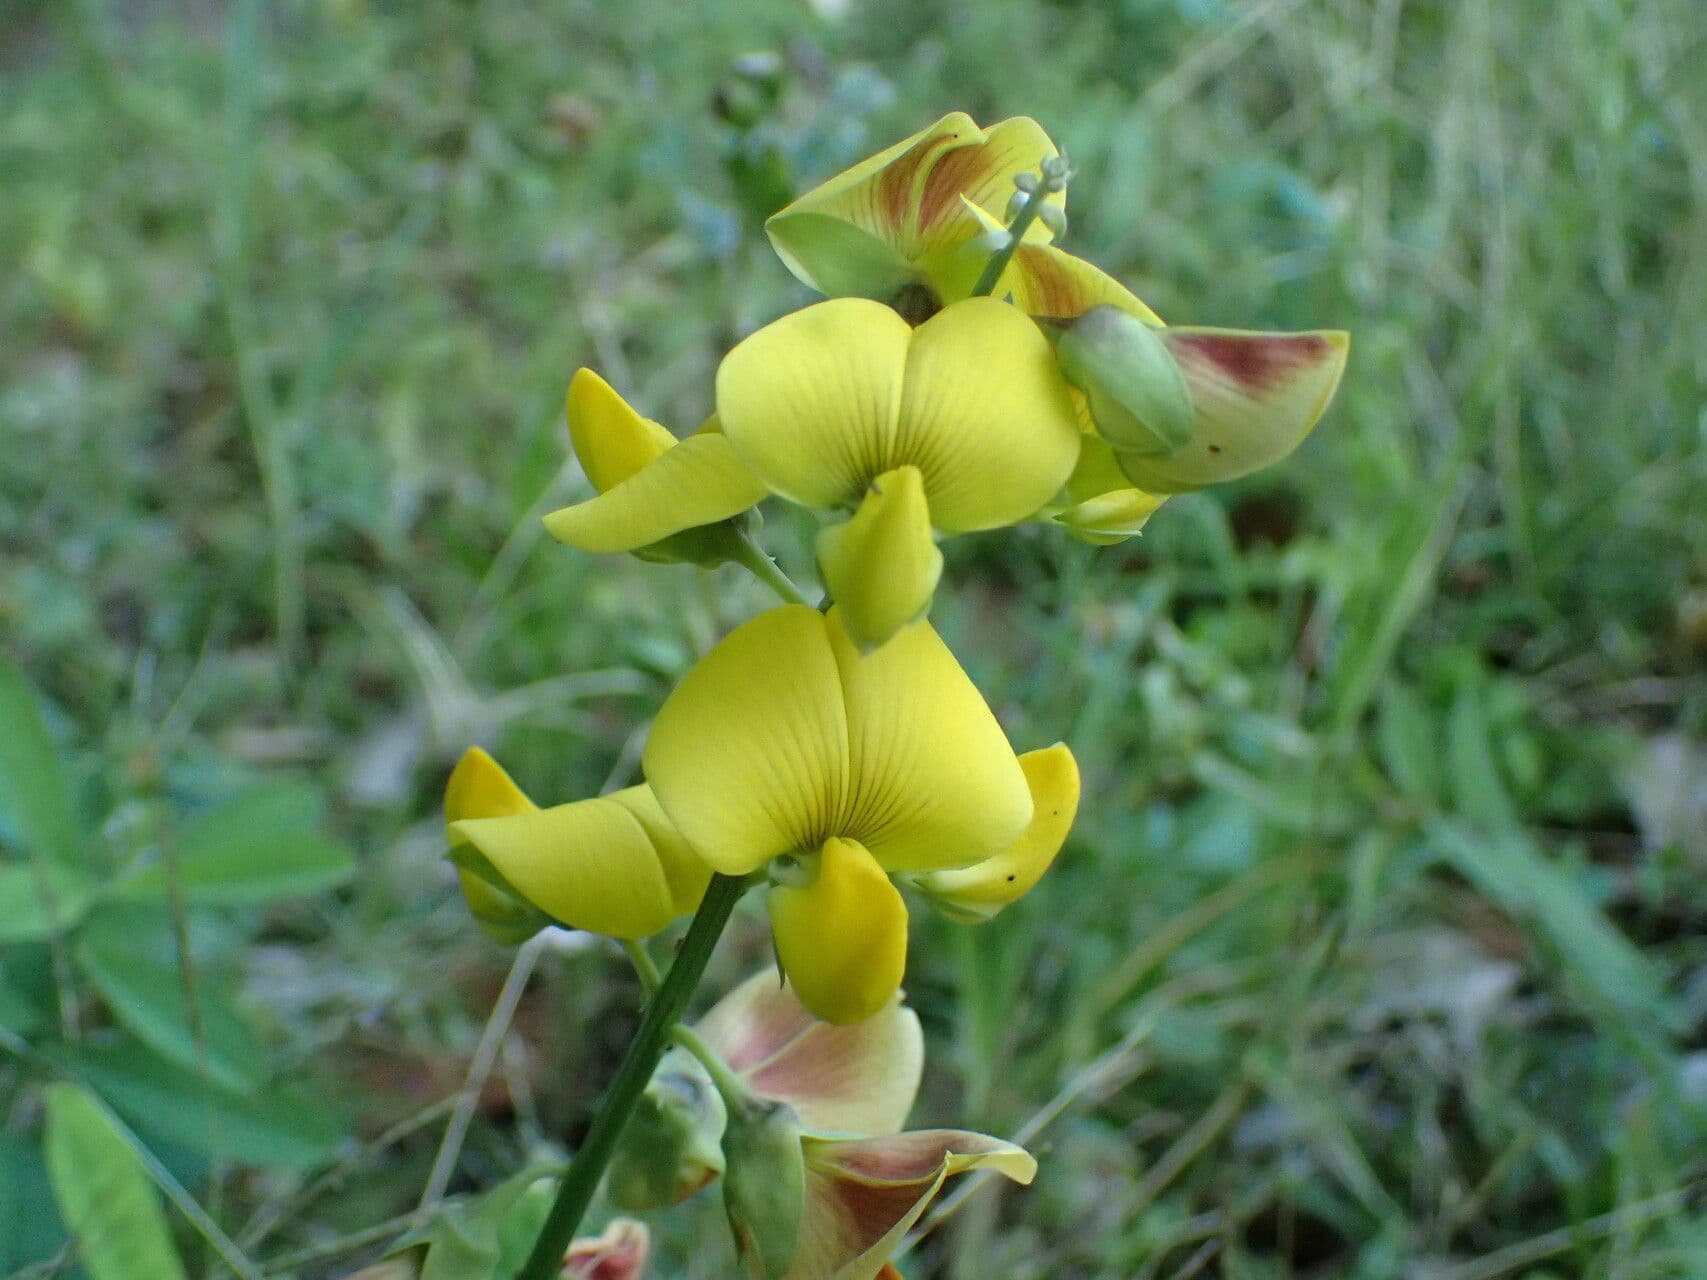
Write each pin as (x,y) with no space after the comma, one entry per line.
(671,1147)
(1054,217)
(1137,394)
(764,1189)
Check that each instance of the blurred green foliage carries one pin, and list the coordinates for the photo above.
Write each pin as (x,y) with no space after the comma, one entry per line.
(1379,949)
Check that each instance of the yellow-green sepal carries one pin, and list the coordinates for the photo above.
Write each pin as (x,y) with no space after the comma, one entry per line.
(1137,394)
(764,1185)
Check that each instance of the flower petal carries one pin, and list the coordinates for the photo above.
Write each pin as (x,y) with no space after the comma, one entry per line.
(842,937)
(810,401)
(698,481)
(1255,397)
(590,864)
(879,196)
(610,439)
(882,566)
(860,1079)
(480,788)
(1045,281)
(685,872)
(982,174)
(863,1196)
(618,1254)
(749,755)
(932,780)
(836,257)
(979,892)
(985,415)
(1102,506)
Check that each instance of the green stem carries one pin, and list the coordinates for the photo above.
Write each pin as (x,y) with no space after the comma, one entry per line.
(645,968)
(664,1010)
(731,1086)
(753,559)
(999,260)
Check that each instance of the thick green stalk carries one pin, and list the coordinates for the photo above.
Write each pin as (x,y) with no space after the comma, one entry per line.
(663,1011)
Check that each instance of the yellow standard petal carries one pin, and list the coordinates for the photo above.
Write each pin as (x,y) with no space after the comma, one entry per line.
(863,1196)
(985,416)
(811,401)
(933,781)
(859,1079)
(882,566)
(590,864)
(610,439)
(749,755)
(979,892)
(841,936)
(697,481)
(1254,396)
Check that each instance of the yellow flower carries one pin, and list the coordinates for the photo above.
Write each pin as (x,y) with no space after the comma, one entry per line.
(663,499)
(904,225)
(784,750)
(611,865)
(866,1183)
(963,423)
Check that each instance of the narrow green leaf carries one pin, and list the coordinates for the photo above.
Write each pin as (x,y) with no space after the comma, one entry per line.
(1509,869)
(279,1128)
(1477,786)
(1409,744)
(249,867)
(148,999)
(35,797)
(30,1229)
(40,900)
(104,1193)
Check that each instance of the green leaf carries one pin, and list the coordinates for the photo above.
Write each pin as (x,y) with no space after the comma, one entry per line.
(18,1014)
(279,1128)
(30,1230)
(1476,783)
(148,999)
(257,846)
(1409,745)
(1509,869)
(35,797)
(465,1238)
(104,1193)
(41,900)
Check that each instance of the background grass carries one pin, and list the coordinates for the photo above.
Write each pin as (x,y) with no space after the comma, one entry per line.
(1379,948)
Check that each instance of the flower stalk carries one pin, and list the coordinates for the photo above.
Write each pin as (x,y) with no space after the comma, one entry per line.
(1034,190)
(663,1012)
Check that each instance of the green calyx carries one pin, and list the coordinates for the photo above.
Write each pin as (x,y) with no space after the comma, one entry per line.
(672,1146)
(764,1186)
(1137,393)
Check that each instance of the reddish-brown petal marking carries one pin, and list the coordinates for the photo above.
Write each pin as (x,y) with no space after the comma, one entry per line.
(895,184)
(873,1208)
(1255,362)
(945,182)
(902,1157)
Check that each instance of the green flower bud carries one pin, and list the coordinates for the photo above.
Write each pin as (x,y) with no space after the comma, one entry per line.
(671,1146)
(1137,393)
(764,1189)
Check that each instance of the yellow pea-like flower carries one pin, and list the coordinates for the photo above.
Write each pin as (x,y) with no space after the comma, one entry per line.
(786,750)
(904,225)
(826,405)
(613,865)
(662,498)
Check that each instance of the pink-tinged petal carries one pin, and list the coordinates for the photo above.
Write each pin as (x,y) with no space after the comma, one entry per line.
(858,1079)
(982,174)
(619,1254)
(863,1196)
(1254,396)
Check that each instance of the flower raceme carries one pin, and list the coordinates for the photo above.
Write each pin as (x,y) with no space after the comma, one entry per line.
(785,751)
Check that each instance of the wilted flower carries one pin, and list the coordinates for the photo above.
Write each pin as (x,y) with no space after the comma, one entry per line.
(847,1092)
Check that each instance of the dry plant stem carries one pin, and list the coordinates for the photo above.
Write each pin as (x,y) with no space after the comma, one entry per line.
(479,1068)
(663,1011)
